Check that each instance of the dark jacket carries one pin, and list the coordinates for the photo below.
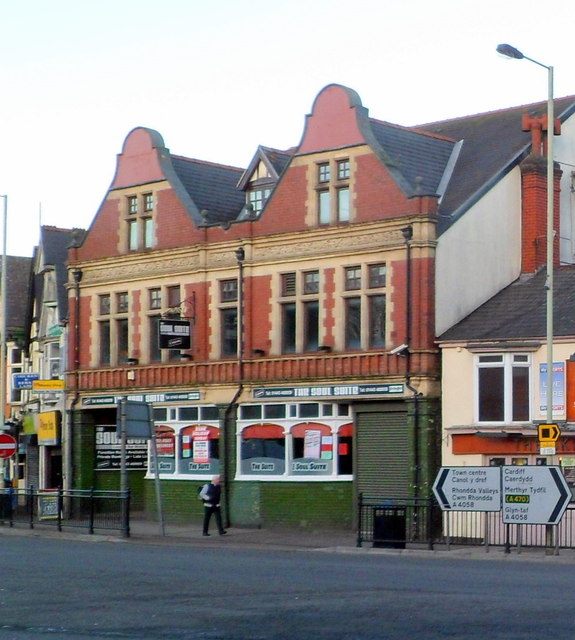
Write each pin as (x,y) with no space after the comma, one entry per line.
(211,495)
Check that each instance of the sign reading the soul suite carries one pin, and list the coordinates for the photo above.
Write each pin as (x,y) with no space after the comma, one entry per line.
(336,391)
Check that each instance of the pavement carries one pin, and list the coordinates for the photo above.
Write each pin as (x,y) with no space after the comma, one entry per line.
(144,531)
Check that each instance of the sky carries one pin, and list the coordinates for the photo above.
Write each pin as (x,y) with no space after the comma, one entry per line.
(217,79)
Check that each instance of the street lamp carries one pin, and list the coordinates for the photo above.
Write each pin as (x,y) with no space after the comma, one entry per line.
(512,52)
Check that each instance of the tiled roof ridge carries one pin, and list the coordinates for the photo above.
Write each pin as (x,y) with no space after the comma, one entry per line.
(285,152)
(51,227)
(495,111)
(206,162)
(423,132)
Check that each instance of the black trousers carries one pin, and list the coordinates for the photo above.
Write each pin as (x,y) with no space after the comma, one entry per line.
(207,516)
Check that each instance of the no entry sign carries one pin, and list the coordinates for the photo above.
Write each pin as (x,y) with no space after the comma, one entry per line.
(7,445)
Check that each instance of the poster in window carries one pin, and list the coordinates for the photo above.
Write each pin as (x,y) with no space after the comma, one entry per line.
(312,444)
(327,448)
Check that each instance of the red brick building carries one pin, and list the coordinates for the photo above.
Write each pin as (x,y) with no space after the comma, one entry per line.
(308,282)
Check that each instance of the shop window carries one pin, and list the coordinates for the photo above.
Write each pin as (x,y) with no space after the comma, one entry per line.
(250,411)
(345,450)
(309,410)
(274,411)
(199,451)
(312,450)
(503,382)
(160,414)
(166,447)
(262,450)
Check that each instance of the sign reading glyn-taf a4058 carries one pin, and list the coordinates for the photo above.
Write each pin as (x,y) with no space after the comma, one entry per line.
(468,488)
(533,495)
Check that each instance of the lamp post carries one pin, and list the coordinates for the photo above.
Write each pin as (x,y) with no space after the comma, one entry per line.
(512,52)
(3,277)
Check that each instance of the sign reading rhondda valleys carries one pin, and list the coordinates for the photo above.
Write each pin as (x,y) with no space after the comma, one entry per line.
(468,488)
(534,495)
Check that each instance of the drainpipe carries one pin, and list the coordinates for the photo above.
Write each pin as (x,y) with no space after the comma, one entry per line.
(77,275)
(408,235)
(240,257)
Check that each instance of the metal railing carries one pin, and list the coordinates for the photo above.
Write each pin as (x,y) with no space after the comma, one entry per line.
(398,522)
(91,509)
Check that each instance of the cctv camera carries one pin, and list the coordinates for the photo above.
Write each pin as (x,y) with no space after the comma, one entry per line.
(399,351)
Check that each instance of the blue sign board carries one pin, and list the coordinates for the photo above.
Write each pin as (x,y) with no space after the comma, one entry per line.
(24,380)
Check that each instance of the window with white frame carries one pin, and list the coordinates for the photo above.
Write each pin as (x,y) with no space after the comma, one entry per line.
(299,440)
(503,387)
(188,441)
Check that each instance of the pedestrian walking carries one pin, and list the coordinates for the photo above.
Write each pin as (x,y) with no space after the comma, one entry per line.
(211,494)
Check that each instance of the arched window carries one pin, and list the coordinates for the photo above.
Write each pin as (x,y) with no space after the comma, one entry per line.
(166,447)
(262,450)
(199,450)
(312,449)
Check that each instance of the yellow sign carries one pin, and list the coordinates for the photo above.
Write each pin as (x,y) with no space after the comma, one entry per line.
(47,385)
(48,423)
(548,433)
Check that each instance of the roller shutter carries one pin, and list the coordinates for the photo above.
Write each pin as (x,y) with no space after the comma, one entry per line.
(383,460)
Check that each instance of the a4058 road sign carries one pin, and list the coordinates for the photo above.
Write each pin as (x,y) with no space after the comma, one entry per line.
(468,488)
(534,495)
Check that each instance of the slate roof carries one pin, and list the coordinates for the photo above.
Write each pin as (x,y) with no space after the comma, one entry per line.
(18,284)
(421,158)
(458,159)
(55,243)
(212,187)
(519,311)
(493,143)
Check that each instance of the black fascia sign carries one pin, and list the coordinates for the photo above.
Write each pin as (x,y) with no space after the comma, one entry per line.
(174,334)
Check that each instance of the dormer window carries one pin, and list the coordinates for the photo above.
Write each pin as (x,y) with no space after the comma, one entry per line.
(257,198)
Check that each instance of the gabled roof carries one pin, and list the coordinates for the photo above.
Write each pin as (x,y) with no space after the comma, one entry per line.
(519,311)
(18,270)
(53,253)
(492,144)
(274,159)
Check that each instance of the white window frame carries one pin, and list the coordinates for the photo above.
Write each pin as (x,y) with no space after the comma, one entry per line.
(508,361)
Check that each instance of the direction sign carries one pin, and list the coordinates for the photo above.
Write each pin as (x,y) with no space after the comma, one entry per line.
(534,495)
(7,445)
(548,433)
(468,488)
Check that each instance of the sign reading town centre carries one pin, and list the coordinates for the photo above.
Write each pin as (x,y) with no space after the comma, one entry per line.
(353,390)
(468,488)
(524,494)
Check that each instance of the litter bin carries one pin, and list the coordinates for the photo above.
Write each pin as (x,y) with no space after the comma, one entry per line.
(389,527)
